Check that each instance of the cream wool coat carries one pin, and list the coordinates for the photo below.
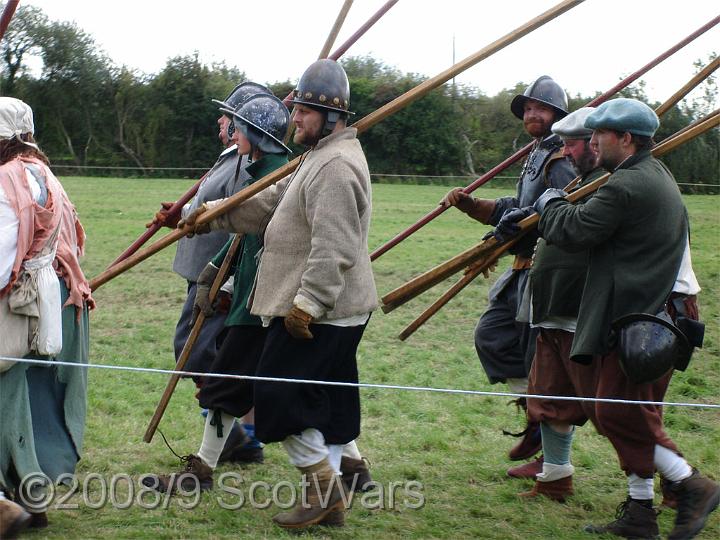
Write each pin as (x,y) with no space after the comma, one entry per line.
(316,253)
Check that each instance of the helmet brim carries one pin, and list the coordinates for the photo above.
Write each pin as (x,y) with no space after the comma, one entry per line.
(249,123)
(314,105)
(517,106)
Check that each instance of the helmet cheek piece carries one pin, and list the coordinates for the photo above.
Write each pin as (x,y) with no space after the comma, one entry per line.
(331,119)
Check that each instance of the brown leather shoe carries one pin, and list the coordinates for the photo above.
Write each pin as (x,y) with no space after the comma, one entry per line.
(323,497)
(13,519)
(632,520)
(529,445)
(336,518)
(355,474)
(557,490)
(195,475)
(697,496)
(527,470)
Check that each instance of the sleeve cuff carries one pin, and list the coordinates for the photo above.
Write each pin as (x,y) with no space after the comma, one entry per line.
(310,307)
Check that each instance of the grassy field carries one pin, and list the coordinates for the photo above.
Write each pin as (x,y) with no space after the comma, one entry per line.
(452,444)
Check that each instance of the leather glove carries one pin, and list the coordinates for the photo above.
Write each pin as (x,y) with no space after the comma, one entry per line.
(508,227)
(297,323)
(191,219)
(479,209)
(163,218)
(552,194)
(202,292)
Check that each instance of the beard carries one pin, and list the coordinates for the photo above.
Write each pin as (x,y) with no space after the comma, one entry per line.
(306,137)
(587,162)
(536,127)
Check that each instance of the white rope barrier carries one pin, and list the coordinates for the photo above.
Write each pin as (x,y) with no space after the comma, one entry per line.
(357,385)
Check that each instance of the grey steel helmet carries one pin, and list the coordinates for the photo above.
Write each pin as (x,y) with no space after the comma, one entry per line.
(650,346)
(324,85)
(264,120)
(545,90)
(240,94)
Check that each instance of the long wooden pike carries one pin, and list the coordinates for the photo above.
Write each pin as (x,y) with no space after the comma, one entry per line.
(387,246)
(432,277)
(222,276)
(7,16)
(479,267)
(223,273)
(185,198)
(361,125)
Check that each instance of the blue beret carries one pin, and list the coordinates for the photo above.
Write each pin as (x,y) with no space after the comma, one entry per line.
(573,125)
(624,114)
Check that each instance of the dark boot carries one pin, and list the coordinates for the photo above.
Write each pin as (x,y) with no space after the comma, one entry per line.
(527,470)
(236,440)
(355,474)
(322,498)
(195,475)
(632,520)
(696,496)
(529,445)
(668,496)
(13,519)
(557,490)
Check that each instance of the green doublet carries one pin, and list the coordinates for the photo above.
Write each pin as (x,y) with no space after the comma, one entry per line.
(244,266)
(635,227)
(557,276)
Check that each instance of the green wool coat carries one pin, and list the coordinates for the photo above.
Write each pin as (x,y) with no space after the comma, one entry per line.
(245,265)
(635,227)
(557,276)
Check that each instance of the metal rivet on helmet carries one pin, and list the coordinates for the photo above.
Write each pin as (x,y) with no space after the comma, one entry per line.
(322,79)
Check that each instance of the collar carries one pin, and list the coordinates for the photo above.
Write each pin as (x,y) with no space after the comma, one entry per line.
(343,134)
(632,160)
(265,165)
(229,149)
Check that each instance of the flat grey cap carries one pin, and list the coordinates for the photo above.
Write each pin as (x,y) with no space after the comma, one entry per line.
(573,125)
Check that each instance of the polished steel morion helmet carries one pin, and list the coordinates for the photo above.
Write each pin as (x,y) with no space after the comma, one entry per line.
(545,90)
(240,94)
(264,120)
(324,85)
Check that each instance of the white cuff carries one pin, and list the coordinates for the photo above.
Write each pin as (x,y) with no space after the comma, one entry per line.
(552,472)
(313,309)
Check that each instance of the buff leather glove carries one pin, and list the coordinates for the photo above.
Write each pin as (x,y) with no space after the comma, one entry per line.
(164,218)
(297,323)
(552,194)
(508,227)
(202,293)
(191,219)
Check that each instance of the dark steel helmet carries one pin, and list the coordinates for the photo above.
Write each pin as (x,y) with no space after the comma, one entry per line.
(240,94)
(650,346)
(324,85)
(264,120)
(544,90)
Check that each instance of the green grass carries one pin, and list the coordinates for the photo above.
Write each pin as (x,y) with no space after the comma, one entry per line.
(452,444)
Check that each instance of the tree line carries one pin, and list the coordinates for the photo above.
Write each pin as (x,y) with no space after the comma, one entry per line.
(91,112)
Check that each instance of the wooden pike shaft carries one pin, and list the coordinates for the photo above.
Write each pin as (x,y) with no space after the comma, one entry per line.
(221,277)
(361,125)
(397,297)
(7,16)
(432,277)
(329,42)
(485,178)
(223,273)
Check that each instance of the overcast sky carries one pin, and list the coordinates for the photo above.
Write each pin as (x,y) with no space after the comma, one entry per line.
(588,48)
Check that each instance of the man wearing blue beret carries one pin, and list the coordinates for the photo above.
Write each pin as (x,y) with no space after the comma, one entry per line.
(636,229)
